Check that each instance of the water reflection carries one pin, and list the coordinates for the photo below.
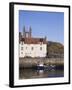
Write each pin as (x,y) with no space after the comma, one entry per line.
(32,73)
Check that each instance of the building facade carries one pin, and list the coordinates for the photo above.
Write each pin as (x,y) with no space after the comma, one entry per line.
(30,46)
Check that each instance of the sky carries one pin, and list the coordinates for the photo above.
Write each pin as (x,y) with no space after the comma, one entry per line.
(49,24)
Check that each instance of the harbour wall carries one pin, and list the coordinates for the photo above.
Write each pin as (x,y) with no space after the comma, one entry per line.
(31,62)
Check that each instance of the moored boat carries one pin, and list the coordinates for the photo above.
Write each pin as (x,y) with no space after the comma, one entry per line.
(45,67)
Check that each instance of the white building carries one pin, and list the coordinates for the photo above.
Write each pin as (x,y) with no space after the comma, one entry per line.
(30,46)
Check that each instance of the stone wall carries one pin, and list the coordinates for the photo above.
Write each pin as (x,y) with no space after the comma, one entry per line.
(30,62)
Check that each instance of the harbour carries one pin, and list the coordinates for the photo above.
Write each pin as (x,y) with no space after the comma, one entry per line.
(41,67)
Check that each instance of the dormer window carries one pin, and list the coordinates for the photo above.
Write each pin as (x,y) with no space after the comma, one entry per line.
(41,41)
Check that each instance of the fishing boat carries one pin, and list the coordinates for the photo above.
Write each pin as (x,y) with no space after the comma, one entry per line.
(41,66)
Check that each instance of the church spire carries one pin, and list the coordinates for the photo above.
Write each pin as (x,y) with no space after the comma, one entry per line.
(30,31)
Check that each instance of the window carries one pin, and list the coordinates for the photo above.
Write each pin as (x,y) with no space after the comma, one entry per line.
(40,48)
(22,43)
(21,48)
(32,48)
(26,47)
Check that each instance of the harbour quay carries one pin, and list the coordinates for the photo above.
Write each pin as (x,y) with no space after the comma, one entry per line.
(32,62)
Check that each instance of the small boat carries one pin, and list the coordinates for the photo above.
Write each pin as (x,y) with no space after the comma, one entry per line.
(40,66)
(45,67)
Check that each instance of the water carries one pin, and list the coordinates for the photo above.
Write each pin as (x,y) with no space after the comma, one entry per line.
(33,73)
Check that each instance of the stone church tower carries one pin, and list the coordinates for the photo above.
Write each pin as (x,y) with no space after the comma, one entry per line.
(30,46)
(27,34)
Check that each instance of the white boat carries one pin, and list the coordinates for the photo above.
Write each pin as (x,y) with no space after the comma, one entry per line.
(41,66)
